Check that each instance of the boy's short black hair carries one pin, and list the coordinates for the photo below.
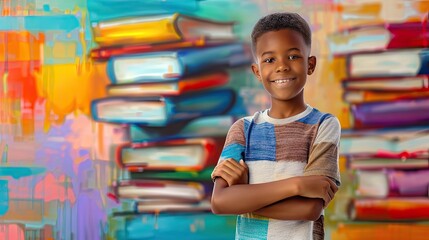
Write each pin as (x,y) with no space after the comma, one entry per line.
(279,21)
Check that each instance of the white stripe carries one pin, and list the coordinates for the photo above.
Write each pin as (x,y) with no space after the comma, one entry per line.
(267,171)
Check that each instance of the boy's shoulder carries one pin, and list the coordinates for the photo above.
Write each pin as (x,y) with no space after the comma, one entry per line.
(310,116)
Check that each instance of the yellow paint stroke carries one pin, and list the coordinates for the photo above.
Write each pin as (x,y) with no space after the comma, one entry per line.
(70,87)
(4,80)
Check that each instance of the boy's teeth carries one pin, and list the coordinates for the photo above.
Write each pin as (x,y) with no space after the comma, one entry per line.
(282,81)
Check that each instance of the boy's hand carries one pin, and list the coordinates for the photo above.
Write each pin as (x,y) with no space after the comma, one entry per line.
(232,172)
(316,187)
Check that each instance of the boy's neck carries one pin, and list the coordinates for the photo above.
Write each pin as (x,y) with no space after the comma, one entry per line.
(281,110)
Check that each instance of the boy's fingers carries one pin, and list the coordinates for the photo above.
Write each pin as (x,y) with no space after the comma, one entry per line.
(235,166)
(334,186)
(242,163)
(327,199)
(331,193)
(226,168)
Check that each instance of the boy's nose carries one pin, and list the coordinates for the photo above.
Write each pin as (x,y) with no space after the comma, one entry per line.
(282,67)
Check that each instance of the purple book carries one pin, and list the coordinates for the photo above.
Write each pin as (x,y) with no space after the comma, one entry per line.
(409,112)
(409,183)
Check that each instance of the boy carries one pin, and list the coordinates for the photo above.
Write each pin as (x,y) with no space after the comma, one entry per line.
(290,151)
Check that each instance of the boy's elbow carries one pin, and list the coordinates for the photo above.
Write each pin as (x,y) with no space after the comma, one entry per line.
(216,205)
(315,210)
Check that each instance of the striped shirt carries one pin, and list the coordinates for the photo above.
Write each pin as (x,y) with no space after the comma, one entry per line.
(274,149)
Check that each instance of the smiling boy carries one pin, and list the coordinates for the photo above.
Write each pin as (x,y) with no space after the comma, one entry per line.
(290,151)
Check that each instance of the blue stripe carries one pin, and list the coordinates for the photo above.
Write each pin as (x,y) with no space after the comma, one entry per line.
(315,117)
(234,151)
(261,140)
(250,228)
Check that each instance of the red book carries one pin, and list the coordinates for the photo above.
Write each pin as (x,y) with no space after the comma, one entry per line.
(178,87)
(193,154)
(104,53)
(380,37)
(390,209)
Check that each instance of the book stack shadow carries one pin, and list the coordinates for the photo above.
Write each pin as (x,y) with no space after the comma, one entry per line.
(386,149)
(169,86)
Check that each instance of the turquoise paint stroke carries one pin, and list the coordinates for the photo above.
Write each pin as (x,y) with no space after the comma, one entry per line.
(4,197)
(18,172)
(39,23)
(190,226)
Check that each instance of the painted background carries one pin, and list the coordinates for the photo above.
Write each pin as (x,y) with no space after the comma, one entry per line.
(58,164)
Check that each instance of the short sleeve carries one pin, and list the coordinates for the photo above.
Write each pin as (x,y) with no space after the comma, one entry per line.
(235,142)
(323,158)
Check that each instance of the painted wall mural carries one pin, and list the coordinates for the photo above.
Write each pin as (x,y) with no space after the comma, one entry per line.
(113,113)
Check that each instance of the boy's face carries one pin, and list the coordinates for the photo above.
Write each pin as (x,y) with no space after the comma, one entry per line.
(282,64)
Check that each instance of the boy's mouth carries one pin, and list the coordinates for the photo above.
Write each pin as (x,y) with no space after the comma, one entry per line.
(284,82)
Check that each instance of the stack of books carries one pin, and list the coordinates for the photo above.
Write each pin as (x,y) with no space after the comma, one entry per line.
(169,86)
(386,148)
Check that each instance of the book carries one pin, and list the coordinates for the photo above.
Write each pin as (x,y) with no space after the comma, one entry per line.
(379,96)
(390,209)
(399,63)
(380,37)
(405,112)
(186,154)
(159,29)
(105,53)
(173,206)
(177,87)
(409,139)
(211,126)
(384,159)
(162,111)
(392,183)
(389,84)
(173,65)
(201,176)
(157,189)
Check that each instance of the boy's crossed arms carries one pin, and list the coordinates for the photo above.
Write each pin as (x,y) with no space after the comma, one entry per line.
(295,198)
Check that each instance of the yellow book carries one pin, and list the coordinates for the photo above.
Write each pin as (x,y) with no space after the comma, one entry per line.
(160,29)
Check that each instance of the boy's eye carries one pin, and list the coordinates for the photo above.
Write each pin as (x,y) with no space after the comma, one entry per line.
(293,57)
(269,60)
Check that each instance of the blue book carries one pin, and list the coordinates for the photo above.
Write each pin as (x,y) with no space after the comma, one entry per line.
(190,226)
(212,126)
(162,111)
(390,63)
(174,65)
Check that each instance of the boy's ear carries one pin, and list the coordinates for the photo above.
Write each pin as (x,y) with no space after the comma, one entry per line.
(255,70)
(311,64)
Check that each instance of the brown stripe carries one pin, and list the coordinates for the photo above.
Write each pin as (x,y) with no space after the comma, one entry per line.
(318,229)
(323,160)
(236,133)
(294,141)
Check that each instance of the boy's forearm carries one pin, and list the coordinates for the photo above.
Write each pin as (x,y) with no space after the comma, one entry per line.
(293,208)
(245,198)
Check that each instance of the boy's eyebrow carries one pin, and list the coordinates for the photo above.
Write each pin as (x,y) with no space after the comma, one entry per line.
(268,52)
(289,50)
